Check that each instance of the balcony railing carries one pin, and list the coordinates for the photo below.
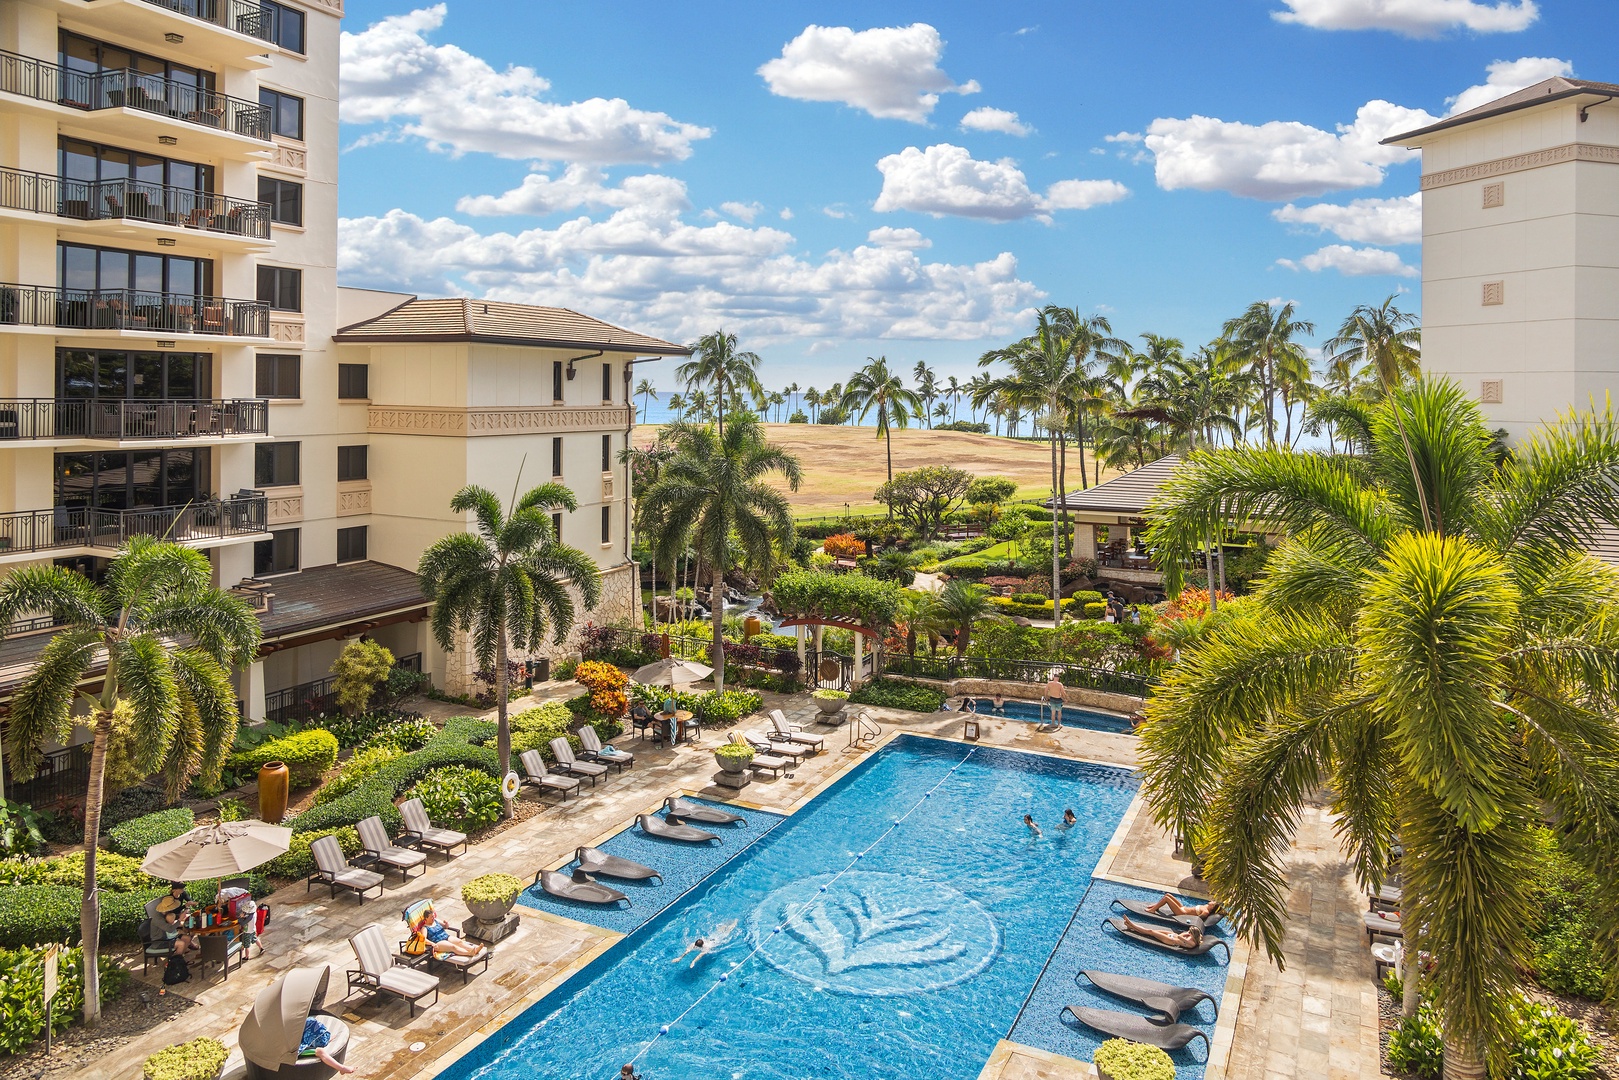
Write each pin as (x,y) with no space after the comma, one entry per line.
(120,88)
(82,526)
(242,16)
(167,418)
(136,200)
(132,309)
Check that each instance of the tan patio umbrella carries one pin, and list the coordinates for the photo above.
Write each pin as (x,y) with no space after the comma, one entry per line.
(671,671)
(211,851)
(270,1035)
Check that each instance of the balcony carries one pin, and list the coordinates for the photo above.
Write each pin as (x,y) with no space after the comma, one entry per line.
(132,309)
(207,523)
(238,16)
(67,422)
(132,200)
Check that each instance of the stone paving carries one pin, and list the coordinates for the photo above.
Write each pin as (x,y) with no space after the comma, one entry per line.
(1318,1019)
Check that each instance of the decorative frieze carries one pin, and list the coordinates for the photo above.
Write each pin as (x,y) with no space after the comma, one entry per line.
(1555,155)
(433,420)
(290,158)
(281,508)
(353,500)
(287,331)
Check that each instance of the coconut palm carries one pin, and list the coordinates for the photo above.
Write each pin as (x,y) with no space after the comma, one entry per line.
(941,412)
(715,496)
(677,405)
(876,387)
(956,607)
(952,391)
(1387,343)
(166,639)
(717,362)
(506,584)
(1449,675)
(1263,335)
(645,390)
(812,398)
(927,388)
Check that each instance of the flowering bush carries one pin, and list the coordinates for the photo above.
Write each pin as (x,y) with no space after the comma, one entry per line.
(844,544)
(598,675)
(1192,604)
(610,702)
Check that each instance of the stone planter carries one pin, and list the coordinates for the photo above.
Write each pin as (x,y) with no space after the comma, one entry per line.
(731,763)
(490,911)
(272,792)
(830,706)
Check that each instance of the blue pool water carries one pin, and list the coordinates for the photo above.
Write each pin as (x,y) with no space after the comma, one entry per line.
(1072,715)
(860,948)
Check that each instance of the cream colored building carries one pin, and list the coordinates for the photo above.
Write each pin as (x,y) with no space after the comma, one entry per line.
(1520,250)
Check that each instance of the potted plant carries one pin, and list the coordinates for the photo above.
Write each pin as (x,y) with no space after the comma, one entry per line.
(199,1059)
(733,757)
(831,702)
(490,896)
(1120,1059)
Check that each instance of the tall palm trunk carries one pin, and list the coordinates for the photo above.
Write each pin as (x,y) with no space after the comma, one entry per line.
(1056,547)
(90,909)
(716,614)
(503,729)
(1462,1061)
(1062,494)
(1079,444)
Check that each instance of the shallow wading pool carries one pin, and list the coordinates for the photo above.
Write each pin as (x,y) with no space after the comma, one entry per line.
(1072,715)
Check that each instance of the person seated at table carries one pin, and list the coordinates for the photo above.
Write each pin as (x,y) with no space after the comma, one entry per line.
(316,1037)
(640,714)
(169,929)
(439,939)
(177,890)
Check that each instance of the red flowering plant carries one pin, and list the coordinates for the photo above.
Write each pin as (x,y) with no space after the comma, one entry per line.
(846,545)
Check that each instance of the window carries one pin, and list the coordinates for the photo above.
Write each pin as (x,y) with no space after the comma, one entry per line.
(81,164)
(607,382)
(285,198)
(351,544)
(106,373)
(607,453)
(556,381)
(83,58)
(125,480)
(556,456)
(351,463)
(607,524)
(277,555)
(79,266)
(275,464)
(278,375)
(283,25)
(286,113)
(353,380)
(281,287)
(556,527)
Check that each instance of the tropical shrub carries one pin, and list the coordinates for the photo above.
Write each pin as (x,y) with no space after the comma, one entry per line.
(359,670)
(1192,604)
(830,695)
(1095,609)
(607,687)
(355,771)
(1126,1060)
(973,427)
(844,545)
(1034,598)
(19,830)
(307,755)
(352,731)
(199,1059)
(1547,1045)
(730,751)
(38,914)
(491,889)
(991,490)
(1563,934)
(854,597)
(299,862)
(456,793)
(403,682)
(533,729)
(22,993)
(234,810)
(728,706)
(114,872)
(893,694)
(1082,597)
(133,838)
(1416,1046)
(407,733)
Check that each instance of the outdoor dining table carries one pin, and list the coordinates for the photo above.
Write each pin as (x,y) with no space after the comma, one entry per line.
(677,728)
(193,923)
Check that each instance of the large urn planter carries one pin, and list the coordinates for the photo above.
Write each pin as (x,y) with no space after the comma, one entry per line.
(733,757)
(273,792)
(830,702)
(489,897)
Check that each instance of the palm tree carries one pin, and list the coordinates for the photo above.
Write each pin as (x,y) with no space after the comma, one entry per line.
(792,390)
(1448,675)
(1388,343)
(697,402)
(812,398)
(776,400)
(717,362)
(927,388)
(952,390)
(677,405)
(505,584)
(876,387)
(715,496)
(645,390)
(154,595)
(1263,335)
(941,412)
(957,606)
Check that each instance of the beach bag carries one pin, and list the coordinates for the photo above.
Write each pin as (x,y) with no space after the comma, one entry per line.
(262,919)
(176,971)
(417,945)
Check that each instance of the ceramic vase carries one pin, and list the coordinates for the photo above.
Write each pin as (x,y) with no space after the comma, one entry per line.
(272,792)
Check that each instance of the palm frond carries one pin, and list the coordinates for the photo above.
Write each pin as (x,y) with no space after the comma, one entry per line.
(42,704)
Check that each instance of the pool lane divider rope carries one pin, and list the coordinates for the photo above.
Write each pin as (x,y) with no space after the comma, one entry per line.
(795,912)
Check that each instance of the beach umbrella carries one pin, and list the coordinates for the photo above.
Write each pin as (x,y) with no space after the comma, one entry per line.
(671,671)
(211,851)
(270,1035)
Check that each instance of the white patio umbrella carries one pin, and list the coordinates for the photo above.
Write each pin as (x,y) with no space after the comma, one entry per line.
(212,851)
(671,671)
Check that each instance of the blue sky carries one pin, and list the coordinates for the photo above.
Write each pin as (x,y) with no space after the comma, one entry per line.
(802,174)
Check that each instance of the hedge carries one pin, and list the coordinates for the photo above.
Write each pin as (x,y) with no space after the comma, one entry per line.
(533,729)
(893,694)
(114,872)
(1013,606)
(199,1059)
(298,862)
(134,838)
(22,993)
(40,914)
(307,755)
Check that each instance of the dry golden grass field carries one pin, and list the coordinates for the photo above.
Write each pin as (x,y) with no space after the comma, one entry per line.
(846,464)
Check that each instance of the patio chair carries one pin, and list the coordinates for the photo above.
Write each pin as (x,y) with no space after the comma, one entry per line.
(1381,924)
(763,760)
(150,949)
(1200,949)
(592,749)
(1167,999)
(1123,1025)
(221,949)
(420,829)
(1385,899)
(413,916)
(333,869)
(569,765)
(1143,911)
(791,733)
(535,772)
(374,840)
(381,972)
(763,743)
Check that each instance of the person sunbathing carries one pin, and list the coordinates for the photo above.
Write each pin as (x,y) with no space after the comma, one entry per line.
(316,1037)
(1190,938)
(1175,907)
(440,941)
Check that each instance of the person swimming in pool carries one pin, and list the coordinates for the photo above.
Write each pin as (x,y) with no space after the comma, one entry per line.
(1034,830)
(703,946)
(1068,818)
(998,704)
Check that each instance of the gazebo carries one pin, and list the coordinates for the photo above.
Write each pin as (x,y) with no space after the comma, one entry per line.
(853,602)
(1120,505)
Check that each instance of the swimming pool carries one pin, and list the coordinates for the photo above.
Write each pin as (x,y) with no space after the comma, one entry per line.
(861,948)
(1072,715)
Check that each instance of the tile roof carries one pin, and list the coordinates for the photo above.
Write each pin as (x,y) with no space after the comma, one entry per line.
(1128,494)
(326,595)
(495,322)
(1555,89)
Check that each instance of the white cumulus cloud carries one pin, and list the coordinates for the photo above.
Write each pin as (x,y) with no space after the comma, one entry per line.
(891,72)
(457,102)
(743,211)
(888,236)
(947,180)
(1364,221)
(1353,262)
(578,186)
(1508,77)
(1414,18)
(987,119)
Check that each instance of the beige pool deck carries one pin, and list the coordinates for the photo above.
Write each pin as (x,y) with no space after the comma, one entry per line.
(1316,1019)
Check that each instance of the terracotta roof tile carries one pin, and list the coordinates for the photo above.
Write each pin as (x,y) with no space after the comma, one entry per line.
(497,322)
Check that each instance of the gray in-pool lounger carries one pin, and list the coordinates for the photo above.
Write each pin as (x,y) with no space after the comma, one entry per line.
(596,861)
(1167,999)
(1140,911)
(673,830)
(687,810)
(1209,941)
(578,887)
(1123,1025)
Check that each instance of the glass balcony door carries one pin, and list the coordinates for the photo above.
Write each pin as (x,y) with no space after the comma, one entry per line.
(132,479)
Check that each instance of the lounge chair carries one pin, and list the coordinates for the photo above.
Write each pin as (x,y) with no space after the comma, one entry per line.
(687,810)
(596,861)
(1167,999)
(673,830)
(374,841)
(578,886)
(333,869)
(413,916)
(1123,1025)
(1140,911)
(763,760)
(1382,924)
(1209,941)
(419,828)
(569,765)
(792,733)
(762,743)
(1385,899)
(382,972)
(593,749)
(535,772)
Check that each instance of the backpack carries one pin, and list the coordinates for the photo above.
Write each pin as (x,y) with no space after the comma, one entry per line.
(176,971)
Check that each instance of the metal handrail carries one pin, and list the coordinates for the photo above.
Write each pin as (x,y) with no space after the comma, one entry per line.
(132,309)
(132,418)
(83,526)
(132,200)
(126,88)
(859,736)
(243,16)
